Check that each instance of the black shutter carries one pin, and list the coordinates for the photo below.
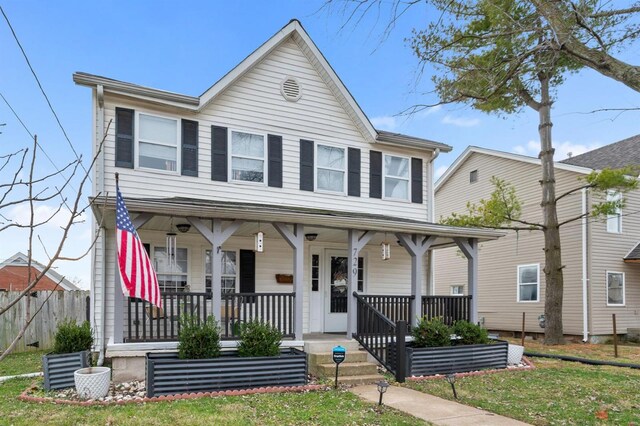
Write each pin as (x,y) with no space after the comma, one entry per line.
(147,248)
(247,272)
(306,165)
(189,148)
(124,138)
(375,174)
(219,153)
(416,180)
(275,160)
(354,172)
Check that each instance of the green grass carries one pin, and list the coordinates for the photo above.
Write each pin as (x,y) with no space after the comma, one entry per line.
(626,353)
(311,408)
(555,393)
(21,363)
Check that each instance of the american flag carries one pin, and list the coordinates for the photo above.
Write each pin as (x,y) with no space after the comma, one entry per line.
(137,276)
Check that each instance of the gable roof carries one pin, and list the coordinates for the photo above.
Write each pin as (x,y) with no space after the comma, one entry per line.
(501,154)
(614,156)
(292,30)
(21,260)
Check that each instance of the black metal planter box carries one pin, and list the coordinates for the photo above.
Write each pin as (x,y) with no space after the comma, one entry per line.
(168,375)
(58,369)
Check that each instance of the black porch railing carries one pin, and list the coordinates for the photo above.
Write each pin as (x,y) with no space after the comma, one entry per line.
(395,308)
(147,323)
(449,308)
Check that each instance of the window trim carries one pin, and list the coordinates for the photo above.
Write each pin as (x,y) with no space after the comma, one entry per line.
(345,170)
(178,145)
(624,288)
(384,178)
(537,265)
(451,293)
(153,248)
(230,155)
(614,196)
(204,267)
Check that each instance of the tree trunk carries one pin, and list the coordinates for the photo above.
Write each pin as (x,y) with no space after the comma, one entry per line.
(552,254)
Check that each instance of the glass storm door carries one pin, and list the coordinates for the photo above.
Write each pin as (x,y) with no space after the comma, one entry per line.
(337,291)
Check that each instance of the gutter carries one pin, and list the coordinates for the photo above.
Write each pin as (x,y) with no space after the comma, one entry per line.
(103,242)
(585,278)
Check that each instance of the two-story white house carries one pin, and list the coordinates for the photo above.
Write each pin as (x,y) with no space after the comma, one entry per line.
(270,196)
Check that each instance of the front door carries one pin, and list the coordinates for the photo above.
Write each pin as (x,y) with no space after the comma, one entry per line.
(336,292)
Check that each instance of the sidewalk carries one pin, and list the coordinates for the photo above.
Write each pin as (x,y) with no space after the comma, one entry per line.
(431,408)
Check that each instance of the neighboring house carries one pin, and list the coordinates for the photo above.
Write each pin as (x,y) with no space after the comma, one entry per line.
(277,151)
(600,277)
(14,276)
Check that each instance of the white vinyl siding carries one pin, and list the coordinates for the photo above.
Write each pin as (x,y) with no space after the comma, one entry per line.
(331,164)
(396,177)
(615,289)
(529,283)
(157,143)
(614,221)
(247,157)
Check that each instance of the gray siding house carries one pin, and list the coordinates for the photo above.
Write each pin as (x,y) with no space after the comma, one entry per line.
(601,274)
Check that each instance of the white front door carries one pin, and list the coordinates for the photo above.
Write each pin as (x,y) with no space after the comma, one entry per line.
(336,291)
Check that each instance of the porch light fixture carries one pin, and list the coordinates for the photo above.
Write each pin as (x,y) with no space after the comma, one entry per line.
(451,378)
(382,388)
(183,227)
(311,237)
(259,242)
(385,250)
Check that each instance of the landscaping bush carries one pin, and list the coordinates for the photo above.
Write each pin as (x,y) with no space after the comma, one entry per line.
(72,337)
(469,333)
(259,339)
(433,333)
(198,339)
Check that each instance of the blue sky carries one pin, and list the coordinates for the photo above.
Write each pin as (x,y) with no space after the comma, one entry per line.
(185,47)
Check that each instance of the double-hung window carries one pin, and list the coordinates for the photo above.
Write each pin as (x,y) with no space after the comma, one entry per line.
(330,169)
(171,268)
(396,177)
(528,283)
(615,288)
(247,157)
(158,142)
(457,290)
(614,221)
(228,271)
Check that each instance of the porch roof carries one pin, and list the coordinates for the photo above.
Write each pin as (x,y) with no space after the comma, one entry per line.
(209,209)
(634,255)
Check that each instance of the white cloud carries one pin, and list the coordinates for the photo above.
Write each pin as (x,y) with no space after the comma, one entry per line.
(440,171)
(563,149)
(385,122)
(428,111)
(460,121)
(21,214)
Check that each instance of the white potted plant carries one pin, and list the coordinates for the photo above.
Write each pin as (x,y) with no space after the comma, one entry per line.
(92,382)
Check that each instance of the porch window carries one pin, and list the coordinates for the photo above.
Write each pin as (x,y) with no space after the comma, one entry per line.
(228,271)
(396,177)
(172,272)
(528,283)
(615,288)
(247,157)
(614,221)
(457,290)
(157,142)
(330,169)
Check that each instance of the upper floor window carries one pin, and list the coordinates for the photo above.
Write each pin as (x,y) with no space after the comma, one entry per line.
(171,268)
(330,169)
(247,157)
(615,288)
(528,283)
(157,142)
(396,177)
(614,221)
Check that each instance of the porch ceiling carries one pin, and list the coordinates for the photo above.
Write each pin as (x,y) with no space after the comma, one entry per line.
(311,218)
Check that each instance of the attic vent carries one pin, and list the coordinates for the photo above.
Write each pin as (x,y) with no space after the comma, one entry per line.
(290,89)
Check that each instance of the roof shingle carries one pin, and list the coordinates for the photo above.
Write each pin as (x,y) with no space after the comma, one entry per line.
(613,156)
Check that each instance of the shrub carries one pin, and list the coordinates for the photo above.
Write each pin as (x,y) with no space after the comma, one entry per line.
(469,333)
(432,333)
(72,337)
(198,339)
(259,339)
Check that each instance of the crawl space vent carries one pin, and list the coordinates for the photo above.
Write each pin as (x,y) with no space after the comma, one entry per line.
(290,89)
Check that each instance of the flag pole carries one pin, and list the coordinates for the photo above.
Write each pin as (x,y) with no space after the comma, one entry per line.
(117,178)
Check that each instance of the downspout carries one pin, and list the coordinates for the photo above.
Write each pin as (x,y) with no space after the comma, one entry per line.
(585,279)
(432,218)
(103,243)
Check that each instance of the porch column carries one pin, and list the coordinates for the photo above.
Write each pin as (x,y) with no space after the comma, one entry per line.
(470,249)
(417,246)
(118,297)
(295,238)
(216,238)
(356,244)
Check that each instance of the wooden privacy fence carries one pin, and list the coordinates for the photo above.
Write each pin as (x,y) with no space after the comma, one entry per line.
(61,305)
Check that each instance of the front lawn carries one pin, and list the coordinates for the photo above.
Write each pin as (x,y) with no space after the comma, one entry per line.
(629,353)
(556,392)
(21,363)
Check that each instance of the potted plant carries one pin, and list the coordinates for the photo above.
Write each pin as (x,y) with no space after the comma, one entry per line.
(201,366)
(92,382)
(71,351)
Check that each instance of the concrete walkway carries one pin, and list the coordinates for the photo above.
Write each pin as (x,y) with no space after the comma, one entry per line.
(431,408)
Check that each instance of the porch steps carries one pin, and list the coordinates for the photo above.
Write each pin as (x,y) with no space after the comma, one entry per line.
(355,369)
